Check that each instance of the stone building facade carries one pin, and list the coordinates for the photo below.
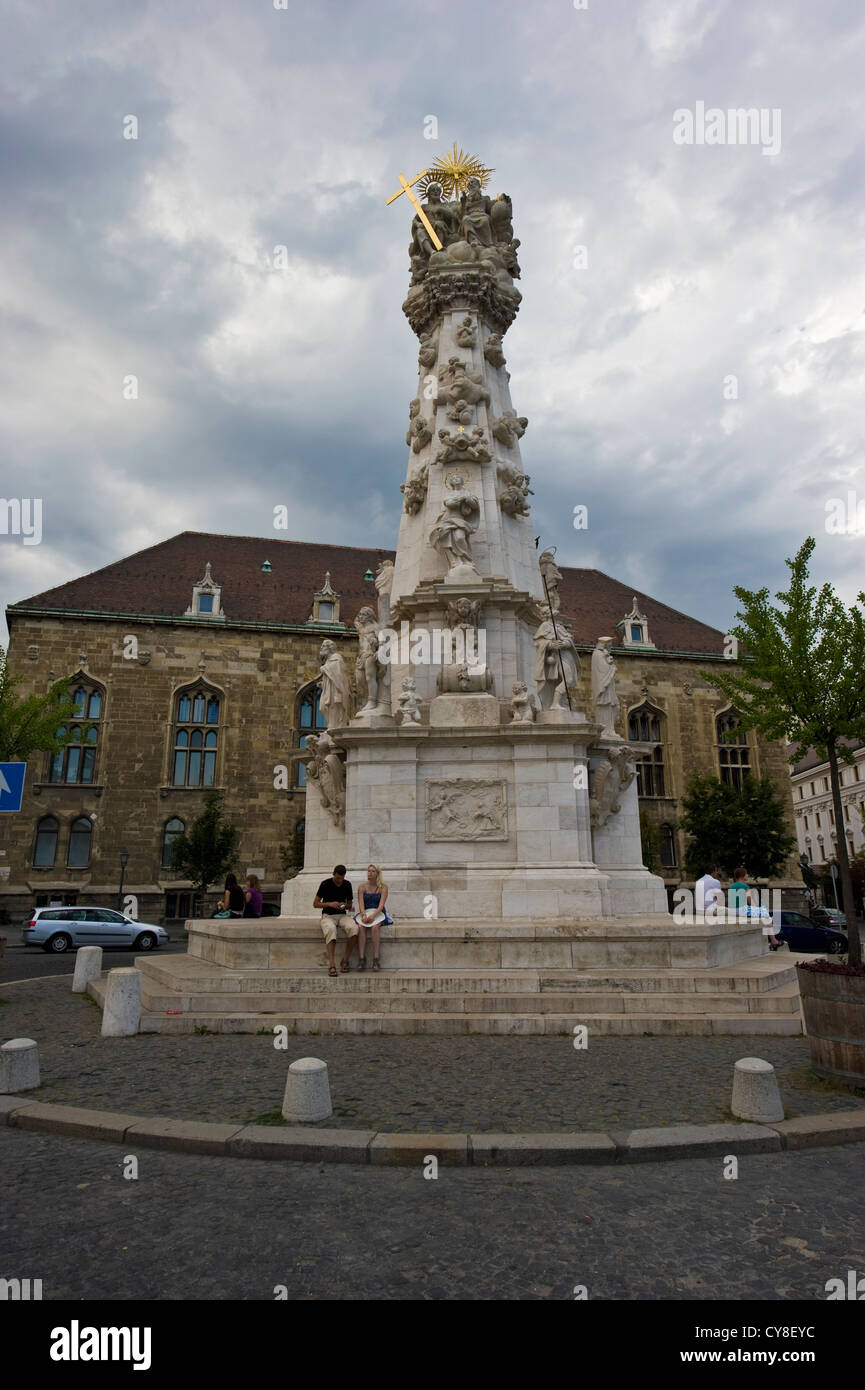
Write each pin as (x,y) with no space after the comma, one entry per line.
(194,663)
(816,831)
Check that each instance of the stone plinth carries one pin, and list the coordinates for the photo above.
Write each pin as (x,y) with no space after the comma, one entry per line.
(464,711)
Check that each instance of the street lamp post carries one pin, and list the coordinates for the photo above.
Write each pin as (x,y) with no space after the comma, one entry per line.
(124,860)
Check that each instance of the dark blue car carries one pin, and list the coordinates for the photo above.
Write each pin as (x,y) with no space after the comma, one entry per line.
(801,933)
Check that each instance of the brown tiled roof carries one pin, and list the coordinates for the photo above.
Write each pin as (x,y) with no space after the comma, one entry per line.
(159,582)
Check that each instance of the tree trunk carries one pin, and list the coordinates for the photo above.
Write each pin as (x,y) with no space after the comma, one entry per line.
(855,956)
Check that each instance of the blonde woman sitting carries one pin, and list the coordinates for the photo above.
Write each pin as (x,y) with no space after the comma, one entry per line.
(371,915)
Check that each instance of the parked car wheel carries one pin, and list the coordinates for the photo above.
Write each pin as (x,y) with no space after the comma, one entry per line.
(56,945)
(836,948)
(145,942)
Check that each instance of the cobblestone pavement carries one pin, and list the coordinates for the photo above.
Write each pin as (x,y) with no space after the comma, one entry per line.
(402,1083)
(194,1227)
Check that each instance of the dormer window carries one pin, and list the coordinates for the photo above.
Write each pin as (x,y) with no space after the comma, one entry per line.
(325,603)
(206,598)
(635,628)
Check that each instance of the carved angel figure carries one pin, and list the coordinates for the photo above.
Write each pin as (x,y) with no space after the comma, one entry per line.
(466,334)
(524,704)
(509,427)
(457,383)
(493,350)
(610,780)
(458,448)
(407,701)
(414,490)
(327,769)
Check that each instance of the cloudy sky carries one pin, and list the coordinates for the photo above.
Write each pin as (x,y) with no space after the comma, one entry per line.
(261,127)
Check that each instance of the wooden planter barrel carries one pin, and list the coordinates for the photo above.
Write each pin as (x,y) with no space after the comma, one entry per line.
(834,1010)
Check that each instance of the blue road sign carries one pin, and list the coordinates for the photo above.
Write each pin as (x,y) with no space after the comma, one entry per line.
(11,785)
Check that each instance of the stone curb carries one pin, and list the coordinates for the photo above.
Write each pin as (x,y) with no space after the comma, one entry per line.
(477,1150)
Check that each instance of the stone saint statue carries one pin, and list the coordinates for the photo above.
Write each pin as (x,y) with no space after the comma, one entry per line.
(475,227)
(369,671)
(551,575)
(458,519)
(335,702)
(604,696)
(556,653)
(442,217)
(325,766)
(383,586)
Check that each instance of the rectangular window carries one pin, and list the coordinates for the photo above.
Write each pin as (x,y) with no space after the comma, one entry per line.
(817,820)
(825,784)
(805,818)
(325,612)
(205,603)
(636,632)
(800,793)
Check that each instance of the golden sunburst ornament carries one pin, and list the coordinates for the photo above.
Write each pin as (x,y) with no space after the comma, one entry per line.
(453,172)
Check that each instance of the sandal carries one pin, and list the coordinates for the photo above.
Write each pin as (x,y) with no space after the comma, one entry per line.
(361,965)
(375,964)
(344,967)
(332,970)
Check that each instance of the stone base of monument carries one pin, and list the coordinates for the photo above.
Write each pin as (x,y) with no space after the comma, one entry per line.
(632,976)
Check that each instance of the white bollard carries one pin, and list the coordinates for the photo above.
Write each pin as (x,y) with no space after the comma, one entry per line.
(755,1092)
(122,1012)
(19,1066)
(307,1092)
(88,966)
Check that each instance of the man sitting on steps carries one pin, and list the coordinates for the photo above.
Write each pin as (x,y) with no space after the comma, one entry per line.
(334,897)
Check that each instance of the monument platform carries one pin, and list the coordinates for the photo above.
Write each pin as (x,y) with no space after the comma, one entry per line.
(621,977)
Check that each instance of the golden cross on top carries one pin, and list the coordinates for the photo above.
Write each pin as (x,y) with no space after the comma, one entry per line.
(407,188)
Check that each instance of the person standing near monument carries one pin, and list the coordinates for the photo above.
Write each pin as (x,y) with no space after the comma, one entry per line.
(334,899)
(371,914)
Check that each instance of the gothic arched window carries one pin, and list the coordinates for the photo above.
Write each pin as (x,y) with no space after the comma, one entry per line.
(170,832)
(668,847)
(734,758)
(45,844)
(78,853)
(76,761)
(195,738)
(309,718)
(646,725)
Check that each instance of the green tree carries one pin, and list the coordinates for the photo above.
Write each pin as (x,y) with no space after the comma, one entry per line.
(206,852)
(735,829)
(650,838)
(802,680)
(30,725)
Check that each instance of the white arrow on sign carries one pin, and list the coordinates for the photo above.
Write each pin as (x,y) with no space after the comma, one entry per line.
(4,785)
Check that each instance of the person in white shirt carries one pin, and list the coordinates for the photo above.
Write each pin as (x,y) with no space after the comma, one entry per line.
(708,892)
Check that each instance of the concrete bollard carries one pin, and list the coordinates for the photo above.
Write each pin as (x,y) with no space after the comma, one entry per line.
(122,1013)
(755,1092)
(19,1066)
(307,1092)
(88,966)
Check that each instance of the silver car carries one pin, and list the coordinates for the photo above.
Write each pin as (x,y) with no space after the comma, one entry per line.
(59,929)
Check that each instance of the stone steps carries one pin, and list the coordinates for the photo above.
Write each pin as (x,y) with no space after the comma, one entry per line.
(652,1024)
(579,1005)
(197,977)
